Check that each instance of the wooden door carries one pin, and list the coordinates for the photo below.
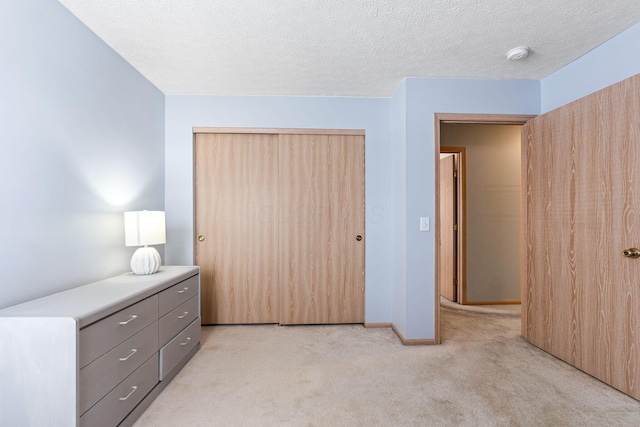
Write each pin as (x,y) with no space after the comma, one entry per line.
(322,213)
(582,164)
(236,193)
(447,220)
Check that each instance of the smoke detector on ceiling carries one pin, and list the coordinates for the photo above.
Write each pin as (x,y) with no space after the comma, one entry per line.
(518,53)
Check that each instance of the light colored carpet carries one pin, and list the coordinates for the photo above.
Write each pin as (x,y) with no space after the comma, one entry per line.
(483,374)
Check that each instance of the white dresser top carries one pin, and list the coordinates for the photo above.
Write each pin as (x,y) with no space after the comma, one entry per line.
(92,302)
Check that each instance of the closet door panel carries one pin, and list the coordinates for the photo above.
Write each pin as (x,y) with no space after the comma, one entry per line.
(582,294)
(321,214)
(236,186)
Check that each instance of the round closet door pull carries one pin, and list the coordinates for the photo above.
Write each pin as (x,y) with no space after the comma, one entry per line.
(358,237)
(201,238)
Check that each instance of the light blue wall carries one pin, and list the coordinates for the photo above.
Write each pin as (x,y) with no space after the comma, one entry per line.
(83,134)
(400,160)
(424,98)
(370,114)
(399,197)
(82,140)
(609,63)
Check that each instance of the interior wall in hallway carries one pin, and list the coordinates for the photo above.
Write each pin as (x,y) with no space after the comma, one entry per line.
(493,207)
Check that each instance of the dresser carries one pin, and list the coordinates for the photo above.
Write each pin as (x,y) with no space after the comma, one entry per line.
(97,355)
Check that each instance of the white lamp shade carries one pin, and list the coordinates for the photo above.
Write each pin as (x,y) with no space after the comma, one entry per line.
(143,228)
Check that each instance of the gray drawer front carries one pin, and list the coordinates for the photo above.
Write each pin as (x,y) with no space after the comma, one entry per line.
(177,319)
(177,294)
(109,411)
(104,373)
(172,353)
(102,336)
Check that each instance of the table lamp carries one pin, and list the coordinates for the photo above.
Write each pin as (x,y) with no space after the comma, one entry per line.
(142,228)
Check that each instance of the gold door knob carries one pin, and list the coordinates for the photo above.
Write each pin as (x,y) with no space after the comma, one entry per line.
(201,238)
(631,253)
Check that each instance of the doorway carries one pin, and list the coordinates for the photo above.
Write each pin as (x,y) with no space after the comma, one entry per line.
(461,250)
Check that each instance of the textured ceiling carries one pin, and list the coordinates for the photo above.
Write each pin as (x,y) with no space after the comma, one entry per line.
(345,47)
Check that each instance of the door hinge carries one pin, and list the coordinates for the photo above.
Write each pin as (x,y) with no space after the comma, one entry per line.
(455,173)
(455,227)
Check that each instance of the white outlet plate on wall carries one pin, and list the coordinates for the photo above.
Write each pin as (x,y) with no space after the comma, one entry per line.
(424,223)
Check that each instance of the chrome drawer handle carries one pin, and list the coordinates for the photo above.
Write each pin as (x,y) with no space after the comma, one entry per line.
(133,389)
(133,317)
(186,342)
(183,290)
(184,315)
(133,351)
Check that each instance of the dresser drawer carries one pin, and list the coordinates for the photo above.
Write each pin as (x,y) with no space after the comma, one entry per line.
(100,337)
(174,296)
(177,319)
(103,374)
(172,353)
(112,408)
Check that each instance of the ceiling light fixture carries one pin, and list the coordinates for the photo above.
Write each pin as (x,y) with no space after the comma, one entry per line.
(518,53)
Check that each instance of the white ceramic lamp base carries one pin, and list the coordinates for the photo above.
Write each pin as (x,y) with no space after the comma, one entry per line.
(145,261)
